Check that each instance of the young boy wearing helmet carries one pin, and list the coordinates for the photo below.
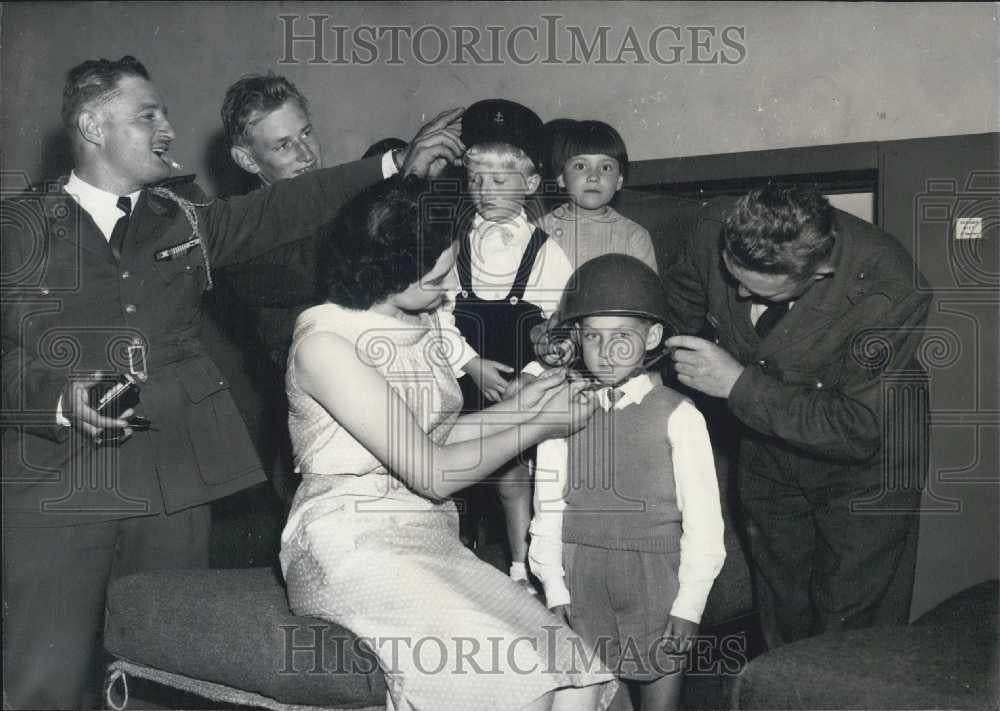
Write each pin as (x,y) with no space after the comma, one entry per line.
(627,536)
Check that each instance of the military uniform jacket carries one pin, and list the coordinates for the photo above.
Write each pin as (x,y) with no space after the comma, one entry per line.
(834,395)
(70,308)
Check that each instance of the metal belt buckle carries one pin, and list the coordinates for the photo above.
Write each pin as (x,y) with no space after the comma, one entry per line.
(137,360)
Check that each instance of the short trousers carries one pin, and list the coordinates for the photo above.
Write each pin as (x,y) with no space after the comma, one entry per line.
(621,603)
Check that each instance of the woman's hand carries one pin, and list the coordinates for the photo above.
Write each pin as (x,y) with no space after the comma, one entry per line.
(516,384)
(533,391)
(567,408)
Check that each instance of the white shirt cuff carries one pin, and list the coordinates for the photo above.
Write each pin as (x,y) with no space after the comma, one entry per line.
(544,558)
(556,593)
(389,168)
(60,418)
(690,601)
(533,368)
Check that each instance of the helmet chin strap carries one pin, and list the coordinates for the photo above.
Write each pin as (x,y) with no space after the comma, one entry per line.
(568,358)
(639,369)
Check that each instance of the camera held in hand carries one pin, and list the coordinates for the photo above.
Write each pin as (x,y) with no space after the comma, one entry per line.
(112,397)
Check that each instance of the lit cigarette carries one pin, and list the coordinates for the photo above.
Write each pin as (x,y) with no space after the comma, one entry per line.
(171,162)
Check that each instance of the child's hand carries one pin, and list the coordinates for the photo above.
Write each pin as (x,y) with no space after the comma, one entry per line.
(678,635)
(564,613)
(489,376)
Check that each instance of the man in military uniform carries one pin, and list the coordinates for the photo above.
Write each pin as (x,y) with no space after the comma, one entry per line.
(812,319)
(106,274)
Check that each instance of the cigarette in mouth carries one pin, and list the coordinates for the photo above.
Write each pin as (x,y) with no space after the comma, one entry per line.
(171,162)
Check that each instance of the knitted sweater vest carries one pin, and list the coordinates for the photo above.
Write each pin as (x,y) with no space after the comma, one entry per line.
(622,494)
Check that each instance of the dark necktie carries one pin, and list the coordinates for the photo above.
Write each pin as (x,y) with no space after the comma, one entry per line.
(121,227)
(770,317)
(614,395)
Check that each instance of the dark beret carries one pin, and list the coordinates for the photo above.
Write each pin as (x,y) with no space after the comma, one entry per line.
(503,121)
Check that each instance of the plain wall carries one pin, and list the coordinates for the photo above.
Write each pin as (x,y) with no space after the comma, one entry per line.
(809,73)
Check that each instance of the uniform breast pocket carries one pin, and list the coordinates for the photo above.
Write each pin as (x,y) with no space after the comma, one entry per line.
(182,269)
(820,376)
(179,290)
(218,435)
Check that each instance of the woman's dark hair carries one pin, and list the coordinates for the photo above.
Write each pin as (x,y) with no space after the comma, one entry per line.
(588,138)
(382,241)
(383,146)
(781,230)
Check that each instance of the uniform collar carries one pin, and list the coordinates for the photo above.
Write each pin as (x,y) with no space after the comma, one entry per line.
(99,204)
(634,391)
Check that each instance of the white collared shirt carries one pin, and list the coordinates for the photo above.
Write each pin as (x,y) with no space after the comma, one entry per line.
(496,250)
(101,205)
(702,549)
(758,308)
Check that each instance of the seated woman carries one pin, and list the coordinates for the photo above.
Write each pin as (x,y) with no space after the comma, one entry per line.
(372,538)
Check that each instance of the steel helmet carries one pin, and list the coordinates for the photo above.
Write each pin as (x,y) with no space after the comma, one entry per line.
(613,284)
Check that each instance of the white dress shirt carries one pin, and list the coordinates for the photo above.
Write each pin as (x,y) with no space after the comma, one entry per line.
(496,252)
(101,205)
(701,546)
(389,168)
(758,308)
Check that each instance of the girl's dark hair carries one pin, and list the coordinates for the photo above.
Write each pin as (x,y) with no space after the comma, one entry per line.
(382,241)
(586,138)
(781,230)
(555,136)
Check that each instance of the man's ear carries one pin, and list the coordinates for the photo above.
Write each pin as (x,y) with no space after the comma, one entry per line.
(560,181)
(533,182)
(621,182)
(654,336)
(90,127)
(244,159)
